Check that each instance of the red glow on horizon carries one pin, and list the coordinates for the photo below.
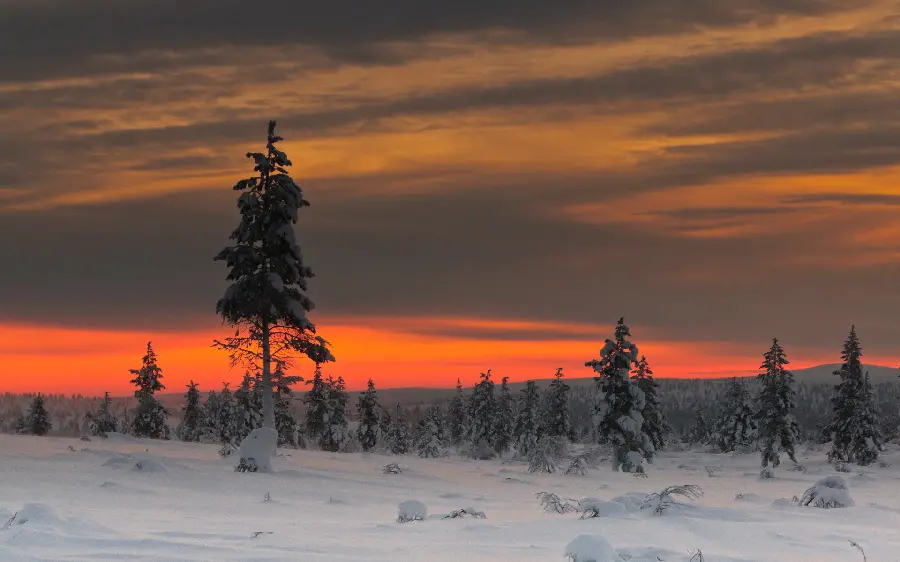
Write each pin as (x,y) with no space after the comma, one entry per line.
(85,361)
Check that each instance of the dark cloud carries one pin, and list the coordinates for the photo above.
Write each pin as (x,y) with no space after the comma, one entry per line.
(473,252)
(60,38)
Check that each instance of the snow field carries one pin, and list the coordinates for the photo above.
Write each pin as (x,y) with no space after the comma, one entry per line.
(134,499)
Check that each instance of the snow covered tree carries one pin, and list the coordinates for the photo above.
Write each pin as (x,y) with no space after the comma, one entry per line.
(456,416)
(247,407)
(266,301)
(430,443)
(285,422)
(209,424)
(227,416)
(398,436)
(191,420)
(316,400)
(38,420)
(737,427)
(619,410)
(846,399)
(557,421)
(504,425)
(336,415)
(483,412)
(367,409)
(866,435)
(102,420)
(778,429)
(655,426)
(385,421)
(853,428)
(149,417)
(700,432)
(528,420)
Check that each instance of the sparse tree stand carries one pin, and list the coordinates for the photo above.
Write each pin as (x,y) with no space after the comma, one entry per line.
(266,300)
(619,411)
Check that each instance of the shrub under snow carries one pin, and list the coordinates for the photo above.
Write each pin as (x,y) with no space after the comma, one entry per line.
(411,510)
(591,548)
(257,450)
(828,492)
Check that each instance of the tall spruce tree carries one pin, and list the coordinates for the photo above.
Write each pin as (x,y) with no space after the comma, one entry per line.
(655,425)
(866,435)
(367,409)
(778,429)
(528,431)
(505,421)
(150,415)
(38,420)
(430,441)
(209,424)
(557,420)
(316,400)
(483,412)
(398,437)
(102,421)
(456,416)
(336,415)
(192,415)
(618,412)
(737,426)
(266,301)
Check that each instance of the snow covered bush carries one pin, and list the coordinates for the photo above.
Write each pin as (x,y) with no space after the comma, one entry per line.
(828,492)
(392,468)
(592,507)
(411,510)
(578,466)
(659,502)
(766,473)
(466,512)
(551,503)
(543,457)
(591,548)
(257,450)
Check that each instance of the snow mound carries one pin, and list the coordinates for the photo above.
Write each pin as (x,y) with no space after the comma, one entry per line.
(411,510)
(592,507)
(591,548)
(258,449)
(44,520)
(828,492)
(632,500)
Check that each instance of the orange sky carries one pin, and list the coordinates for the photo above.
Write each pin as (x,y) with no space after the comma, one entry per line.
(489,189)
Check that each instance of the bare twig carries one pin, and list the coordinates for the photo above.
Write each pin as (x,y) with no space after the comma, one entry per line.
(855,545)
(696,556)
(256,534)
(11,519)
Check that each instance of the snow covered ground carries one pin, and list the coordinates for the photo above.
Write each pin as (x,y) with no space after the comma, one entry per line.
(129,499)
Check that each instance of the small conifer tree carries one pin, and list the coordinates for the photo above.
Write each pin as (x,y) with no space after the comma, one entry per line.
(655,426)
(149,417)
(336,415)
(866,442)
(431,434)
(482,420)
(618,412)
(456,416)
(316,400)
(557,419)
(505,421)
(737,427)
(398,437)
(368,409)
(38,420)
(528,431)
(102,421)
(778,429)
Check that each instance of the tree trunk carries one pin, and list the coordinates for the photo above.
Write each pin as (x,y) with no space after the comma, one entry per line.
(268,403)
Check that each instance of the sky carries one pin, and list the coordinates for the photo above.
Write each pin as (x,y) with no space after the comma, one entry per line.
(492,183)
